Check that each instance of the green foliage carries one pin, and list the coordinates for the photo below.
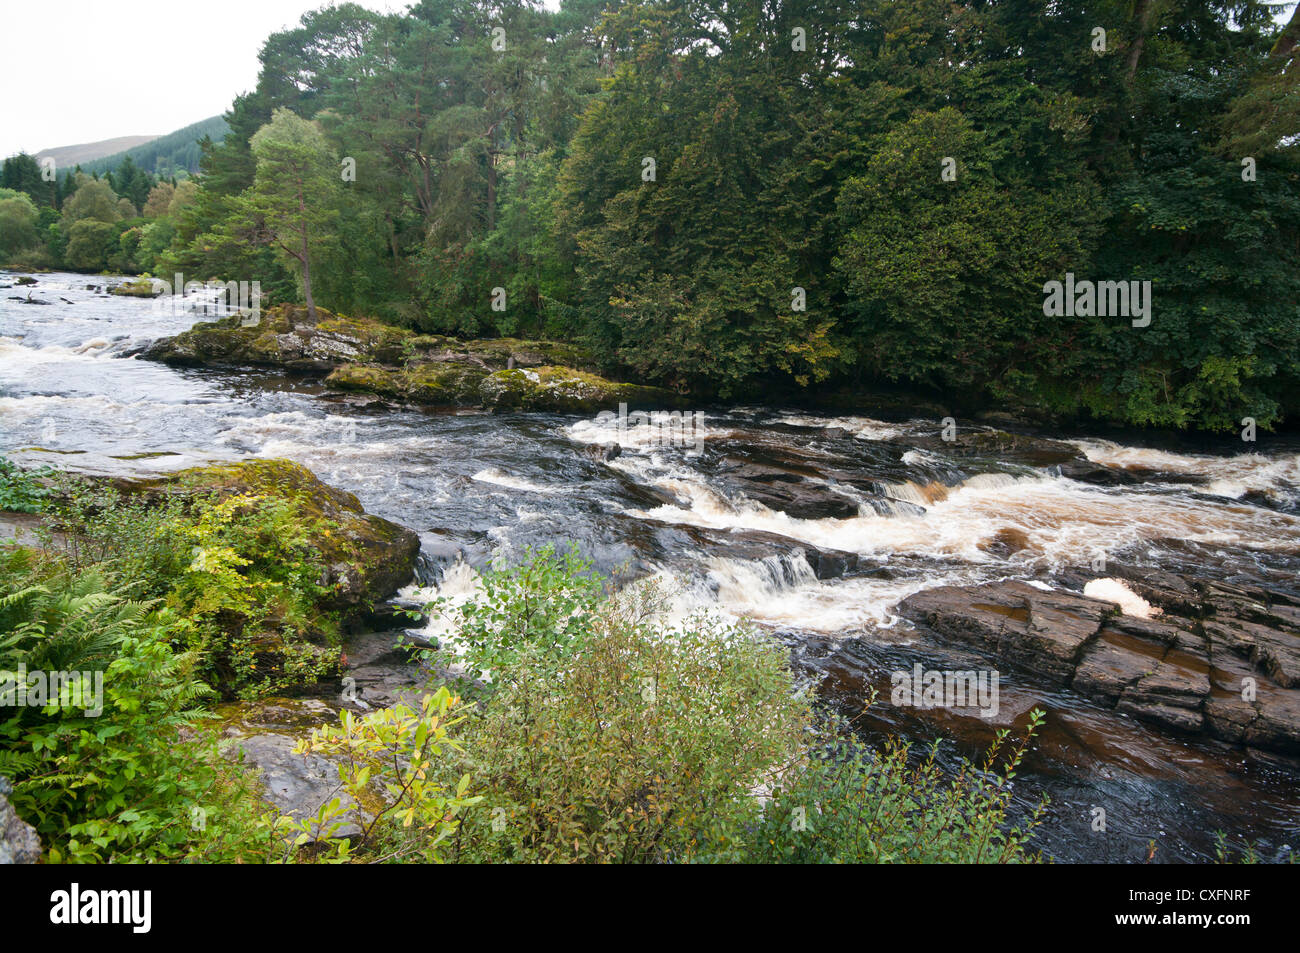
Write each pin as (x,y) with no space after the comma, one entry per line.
(124,783)
(541,604)
(94,200)
(243,574)
(18,218)
(852,805)
(387,764)
(23,490)
(520,168)
(611,735)
(635,742)
(90,243)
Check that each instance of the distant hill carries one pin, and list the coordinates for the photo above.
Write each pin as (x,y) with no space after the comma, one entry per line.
(68,156)
(176,153)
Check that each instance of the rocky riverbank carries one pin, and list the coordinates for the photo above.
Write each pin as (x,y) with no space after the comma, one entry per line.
(1189,655)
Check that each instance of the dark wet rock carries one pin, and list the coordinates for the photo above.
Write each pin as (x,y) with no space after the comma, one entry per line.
(396,613)
(18,841)
(602,452)
(753,546)
(783,488)
(379,672)
(999,444)
(1041,631)
(1222,659)
(298,785)
(24,280)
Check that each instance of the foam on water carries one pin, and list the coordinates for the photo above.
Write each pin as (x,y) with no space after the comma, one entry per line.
(1232,476)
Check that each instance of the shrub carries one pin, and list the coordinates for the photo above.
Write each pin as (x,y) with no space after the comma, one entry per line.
(854,806)
(609,736)
(392,749)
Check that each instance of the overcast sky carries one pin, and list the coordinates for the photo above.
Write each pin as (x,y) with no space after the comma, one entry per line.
(77,71)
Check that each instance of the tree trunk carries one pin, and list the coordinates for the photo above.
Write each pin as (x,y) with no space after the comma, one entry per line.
(306,280)
(1142,14)
(306,261)
(1286,43)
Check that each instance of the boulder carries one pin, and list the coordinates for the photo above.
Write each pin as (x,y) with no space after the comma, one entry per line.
(18,841)
(284,336)
(367,557)
(139,288)
(430,383)
(564,390)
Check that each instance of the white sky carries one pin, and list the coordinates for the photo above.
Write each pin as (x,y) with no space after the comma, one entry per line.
(76,71)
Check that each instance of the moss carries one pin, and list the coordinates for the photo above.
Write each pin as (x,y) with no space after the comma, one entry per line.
(431,383)
(365,355)
(368,557)
(137,288)
(440,383)
(386,381)
(564,390)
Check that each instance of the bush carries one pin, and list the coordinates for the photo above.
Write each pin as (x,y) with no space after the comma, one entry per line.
(242,574)
(610,735)
(23,491)
(90,243)
(856,806)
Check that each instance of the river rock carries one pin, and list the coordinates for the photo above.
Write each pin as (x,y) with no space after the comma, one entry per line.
(1222,659)
(367,557)
(139,288)
(18,841)
(284,336)
(429,383)
(565,390)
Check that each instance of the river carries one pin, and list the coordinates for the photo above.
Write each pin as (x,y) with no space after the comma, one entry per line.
(729,522)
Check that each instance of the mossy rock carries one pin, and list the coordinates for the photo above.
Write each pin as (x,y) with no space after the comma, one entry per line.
(283,336)
(138,288)
(367,557)
(430,383)
(565,390)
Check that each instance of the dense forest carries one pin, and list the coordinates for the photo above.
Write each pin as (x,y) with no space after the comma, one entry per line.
(726,198)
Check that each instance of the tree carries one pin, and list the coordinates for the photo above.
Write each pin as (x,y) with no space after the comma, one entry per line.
(90,242)
(18,216)
(93,199)
(159,201)
(23,174)
(293,199)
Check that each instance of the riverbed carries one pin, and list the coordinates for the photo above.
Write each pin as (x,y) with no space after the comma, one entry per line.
(814,525)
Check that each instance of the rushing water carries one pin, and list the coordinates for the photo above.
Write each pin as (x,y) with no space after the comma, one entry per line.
(730,522)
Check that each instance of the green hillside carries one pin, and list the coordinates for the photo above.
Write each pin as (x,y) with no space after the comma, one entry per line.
(174,154)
